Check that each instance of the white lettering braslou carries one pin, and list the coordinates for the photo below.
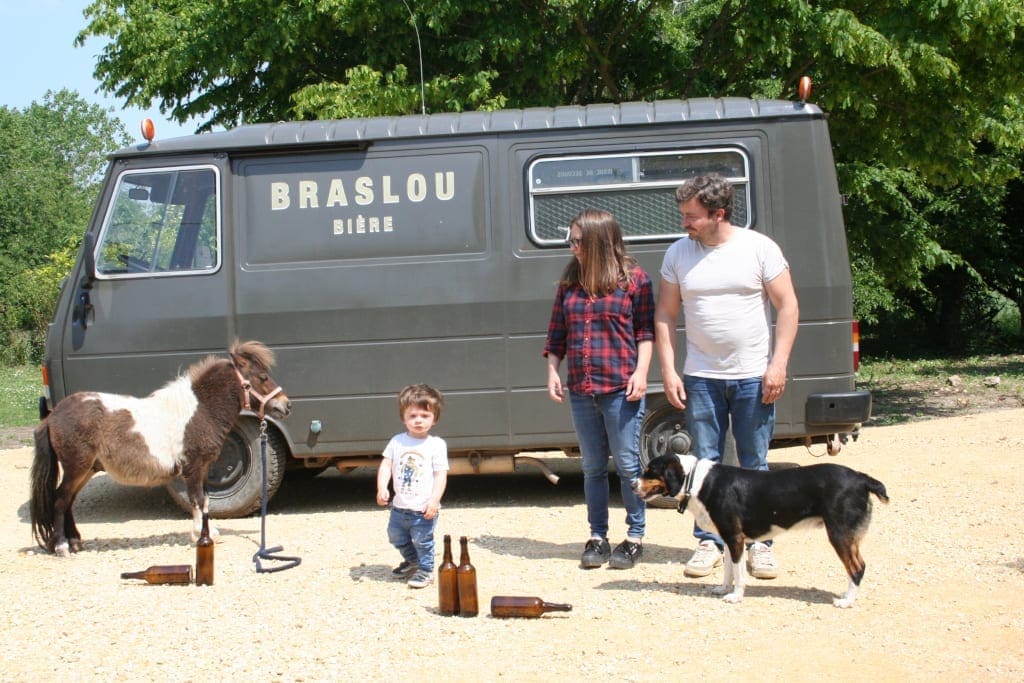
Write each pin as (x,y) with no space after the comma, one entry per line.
(312,194)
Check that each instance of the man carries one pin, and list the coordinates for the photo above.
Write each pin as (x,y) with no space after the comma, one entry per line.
(724,277)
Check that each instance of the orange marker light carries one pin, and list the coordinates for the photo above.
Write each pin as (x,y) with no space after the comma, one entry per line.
(805,88)
(148,129)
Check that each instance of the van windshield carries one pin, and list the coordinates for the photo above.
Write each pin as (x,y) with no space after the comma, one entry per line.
(163,221)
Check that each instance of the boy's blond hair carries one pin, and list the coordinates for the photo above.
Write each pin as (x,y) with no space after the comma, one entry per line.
(420,396)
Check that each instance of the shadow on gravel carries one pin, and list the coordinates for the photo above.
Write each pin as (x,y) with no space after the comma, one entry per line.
(754,591)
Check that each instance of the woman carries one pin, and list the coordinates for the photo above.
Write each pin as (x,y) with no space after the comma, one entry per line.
(603,322)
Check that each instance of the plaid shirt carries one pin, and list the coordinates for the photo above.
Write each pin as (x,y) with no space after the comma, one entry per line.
(601,334)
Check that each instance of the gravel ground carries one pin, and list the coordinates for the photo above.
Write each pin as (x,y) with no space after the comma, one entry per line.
(943,597)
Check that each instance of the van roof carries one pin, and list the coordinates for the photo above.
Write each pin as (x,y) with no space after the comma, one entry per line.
(364,131)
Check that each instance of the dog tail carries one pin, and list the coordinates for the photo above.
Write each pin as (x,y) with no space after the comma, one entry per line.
(876,487)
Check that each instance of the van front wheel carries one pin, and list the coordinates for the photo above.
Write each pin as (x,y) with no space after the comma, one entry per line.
(235,480)
(663,432)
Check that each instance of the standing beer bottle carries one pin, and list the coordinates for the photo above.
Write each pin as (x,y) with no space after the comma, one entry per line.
(204,555)
(519,606)
(466,579)
(447,582)
(163,573)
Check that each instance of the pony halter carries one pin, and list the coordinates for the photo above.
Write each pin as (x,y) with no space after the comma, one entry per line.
(247,390)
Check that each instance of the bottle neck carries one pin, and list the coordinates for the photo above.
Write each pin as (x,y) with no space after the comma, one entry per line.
(555,606)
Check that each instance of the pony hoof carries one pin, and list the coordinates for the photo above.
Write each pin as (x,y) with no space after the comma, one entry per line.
(62,550)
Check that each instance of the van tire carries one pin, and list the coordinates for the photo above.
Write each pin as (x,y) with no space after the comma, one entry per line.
(663,427)
(235,480)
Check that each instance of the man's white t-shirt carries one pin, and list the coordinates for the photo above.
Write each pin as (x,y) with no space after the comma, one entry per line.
(413,463)
(726,308)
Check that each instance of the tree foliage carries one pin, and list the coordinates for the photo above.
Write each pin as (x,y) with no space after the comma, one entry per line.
(52,158)
(925,96)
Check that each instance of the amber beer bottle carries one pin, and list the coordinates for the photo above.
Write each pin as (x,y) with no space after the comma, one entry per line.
(520,606)
(163,573)
(204,555)
(466,579)
(447,582)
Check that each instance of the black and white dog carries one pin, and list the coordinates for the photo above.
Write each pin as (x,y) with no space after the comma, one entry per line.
(750,505)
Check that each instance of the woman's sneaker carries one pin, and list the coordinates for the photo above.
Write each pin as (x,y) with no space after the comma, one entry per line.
(705,558)
(595,553)
(421,579)
(626,554)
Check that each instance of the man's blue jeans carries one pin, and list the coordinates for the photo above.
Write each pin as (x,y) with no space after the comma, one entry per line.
(710,403)
(413,535)
(607,425)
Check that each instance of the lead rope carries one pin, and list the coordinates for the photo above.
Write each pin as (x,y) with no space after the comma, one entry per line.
(265,553)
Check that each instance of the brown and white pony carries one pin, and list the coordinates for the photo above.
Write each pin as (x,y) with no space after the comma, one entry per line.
(177,431)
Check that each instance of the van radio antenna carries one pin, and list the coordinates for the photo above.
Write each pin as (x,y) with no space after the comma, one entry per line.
(419,48)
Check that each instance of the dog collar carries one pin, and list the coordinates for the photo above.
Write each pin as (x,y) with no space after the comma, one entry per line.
(687,490)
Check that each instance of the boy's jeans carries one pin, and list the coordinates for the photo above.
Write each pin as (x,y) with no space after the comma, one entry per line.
(413,535)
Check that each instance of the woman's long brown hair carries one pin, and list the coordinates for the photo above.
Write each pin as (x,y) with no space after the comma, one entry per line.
(607,265)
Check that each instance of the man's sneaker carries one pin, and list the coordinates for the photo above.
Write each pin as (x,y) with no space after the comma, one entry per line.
(626,554)
(705,558)
(404,570)
(761,562)
(595,553)
(421,579)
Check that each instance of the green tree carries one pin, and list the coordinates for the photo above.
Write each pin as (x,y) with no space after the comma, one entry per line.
(52,157)
(926,97)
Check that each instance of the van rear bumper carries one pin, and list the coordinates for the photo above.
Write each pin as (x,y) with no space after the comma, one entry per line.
(847,409)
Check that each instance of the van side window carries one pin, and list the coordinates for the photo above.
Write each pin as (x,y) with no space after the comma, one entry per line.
(638,188)
(161,222)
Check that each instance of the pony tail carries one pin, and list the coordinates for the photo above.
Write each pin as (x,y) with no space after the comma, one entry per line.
(44,487)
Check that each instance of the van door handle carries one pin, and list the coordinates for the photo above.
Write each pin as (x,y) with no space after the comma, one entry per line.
(83,310)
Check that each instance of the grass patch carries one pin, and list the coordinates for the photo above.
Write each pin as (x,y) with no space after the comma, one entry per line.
(20,388)
(909,389)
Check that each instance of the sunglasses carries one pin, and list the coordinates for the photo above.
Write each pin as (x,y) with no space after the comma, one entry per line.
(574,241)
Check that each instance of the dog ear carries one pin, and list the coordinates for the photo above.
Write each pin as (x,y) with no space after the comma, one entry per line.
(673,477)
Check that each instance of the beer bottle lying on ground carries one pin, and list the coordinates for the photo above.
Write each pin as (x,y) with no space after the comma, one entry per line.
(519,606)
(163,573)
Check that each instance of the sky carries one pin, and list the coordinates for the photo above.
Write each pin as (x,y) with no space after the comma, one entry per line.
(37,49)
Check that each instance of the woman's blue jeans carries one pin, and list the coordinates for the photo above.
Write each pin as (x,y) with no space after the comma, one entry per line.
(413,535)
(607,425)
(710,403)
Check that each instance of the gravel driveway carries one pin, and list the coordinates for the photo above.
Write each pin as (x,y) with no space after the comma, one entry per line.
(943,597)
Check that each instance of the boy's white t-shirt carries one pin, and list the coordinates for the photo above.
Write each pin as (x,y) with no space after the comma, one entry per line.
(413,463)
(725,303)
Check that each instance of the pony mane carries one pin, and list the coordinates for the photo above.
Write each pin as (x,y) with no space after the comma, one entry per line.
(255,351)
(199,368)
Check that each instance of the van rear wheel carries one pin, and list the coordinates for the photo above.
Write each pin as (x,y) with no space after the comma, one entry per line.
(662,432)
(235,480)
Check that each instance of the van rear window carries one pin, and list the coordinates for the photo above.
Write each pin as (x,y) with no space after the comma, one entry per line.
(638,188)
(161,222)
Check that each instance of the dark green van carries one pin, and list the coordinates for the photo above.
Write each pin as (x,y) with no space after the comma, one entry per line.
(373,253)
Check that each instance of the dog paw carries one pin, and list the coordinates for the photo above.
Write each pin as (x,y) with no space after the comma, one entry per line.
(732,597)
(843,602)
(720,590)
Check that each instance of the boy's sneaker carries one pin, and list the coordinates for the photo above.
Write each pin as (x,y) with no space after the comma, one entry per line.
(761,562)
(705,558)
(595,553)
(404,570)
(626,554)
(421,579)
